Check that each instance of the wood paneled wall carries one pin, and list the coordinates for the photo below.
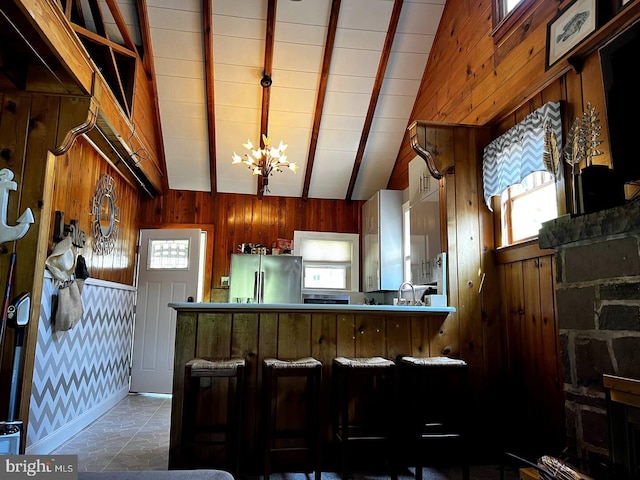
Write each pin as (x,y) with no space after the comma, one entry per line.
(240,219)
(477,291)
(535,393)
(144,117)
(473,78)
(256,336)
(76,175)
(31,127)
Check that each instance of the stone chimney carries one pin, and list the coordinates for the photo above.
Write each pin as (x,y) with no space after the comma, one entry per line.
(598,302)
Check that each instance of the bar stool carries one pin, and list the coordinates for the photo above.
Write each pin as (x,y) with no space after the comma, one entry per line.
(364,413)
(224,432)
(291,437)
(434,390)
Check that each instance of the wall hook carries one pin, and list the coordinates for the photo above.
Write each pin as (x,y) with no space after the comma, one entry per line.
(10,233)
(61,230)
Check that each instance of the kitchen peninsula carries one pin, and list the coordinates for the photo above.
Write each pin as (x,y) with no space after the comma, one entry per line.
(258,331)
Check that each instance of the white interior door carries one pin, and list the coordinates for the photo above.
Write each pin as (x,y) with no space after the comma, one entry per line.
(169,271)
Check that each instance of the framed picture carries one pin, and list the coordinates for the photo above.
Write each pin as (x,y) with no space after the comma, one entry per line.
(569,28)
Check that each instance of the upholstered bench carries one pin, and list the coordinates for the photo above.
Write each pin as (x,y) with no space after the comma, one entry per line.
(204,474)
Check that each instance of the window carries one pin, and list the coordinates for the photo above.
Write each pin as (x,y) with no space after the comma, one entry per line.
(168,255)
(326,276)
(505,14)
(329,260)
(508,6)
(525,206)
(514,169)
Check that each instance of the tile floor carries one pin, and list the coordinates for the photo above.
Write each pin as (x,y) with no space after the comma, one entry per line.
(134,435)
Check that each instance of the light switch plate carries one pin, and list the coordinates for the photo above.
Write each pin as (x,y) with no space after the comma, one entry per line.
(224,281)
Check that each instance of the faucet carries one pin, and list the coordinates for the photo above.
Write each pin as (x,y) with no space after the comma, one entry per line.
(413,292)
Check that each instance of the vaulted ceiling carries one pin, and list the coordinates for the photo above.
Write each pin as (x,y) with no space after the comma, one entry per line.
(345,75)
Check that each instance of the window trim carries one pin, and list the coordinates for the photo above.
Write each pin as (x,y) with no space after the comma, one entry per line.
(504,212)
(503,25)
(300,236)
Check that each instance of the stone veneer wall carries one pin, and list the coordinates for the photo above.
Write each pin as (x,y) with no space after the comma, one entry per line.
(598,302)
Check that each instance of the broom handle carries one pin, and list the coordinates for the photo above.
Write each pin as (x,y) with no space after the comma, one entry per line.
(5,303)
(7,291)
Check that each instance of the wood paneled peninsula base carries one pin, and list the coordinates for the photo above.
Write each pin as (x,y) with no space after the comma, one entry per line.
(258,331)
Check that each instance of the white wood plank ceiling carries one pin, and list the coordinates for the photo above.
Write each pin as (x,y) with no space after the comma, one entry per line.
(239,29)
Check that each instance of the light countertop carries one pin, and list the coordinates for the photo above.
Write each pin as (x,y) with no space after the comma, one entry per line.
(310,308)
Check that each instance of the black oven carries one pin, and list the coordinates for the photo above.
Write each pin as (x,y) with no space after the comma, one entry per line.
(326,299)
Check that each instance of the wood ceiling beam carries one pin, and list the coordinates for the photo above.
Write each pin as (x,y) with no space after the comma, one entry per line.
(121,24)
(79,12)
(268,66)
(98,20)
(101,38)
(147,60)
(207,13)
(45,20)
(375,94)
(121,86)
(67,10)
(95,38)
(322,92)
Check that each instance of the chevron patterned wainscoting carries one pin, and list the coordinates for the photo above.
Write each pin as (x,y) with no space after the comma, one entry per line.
(81,373)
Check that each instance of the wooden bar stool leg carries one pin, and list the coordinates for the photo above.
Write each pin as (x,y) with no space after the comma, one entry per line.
(188,415)
(239,403)
(270,390)
(317,431)
(392,428)
(344,420)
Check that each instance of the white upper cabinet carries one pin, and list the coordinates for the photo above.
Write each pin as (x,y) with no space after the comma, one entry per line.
(425,238)
(382,241)
(421,183)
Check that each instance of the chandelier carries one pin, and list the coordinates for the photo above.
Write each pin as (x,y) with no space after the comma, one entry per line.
(264,161)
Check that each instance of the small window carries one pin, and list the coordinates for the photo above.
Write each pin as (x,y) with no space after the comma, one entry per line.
(329,260)
(502,9)
(168,255)
(508,6)
(326,276)
(526,206)
(505,14)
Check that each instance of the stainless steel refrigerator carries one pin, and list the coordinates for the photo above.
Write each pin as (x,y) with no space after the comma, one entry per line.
(265,279)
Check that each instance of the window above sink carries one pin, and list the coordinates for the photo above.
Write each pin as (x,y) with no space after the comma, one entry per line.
(330,260)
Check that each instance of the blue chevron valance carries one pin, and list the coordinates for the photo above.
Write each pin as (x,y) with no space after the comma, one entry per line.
(518,152)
